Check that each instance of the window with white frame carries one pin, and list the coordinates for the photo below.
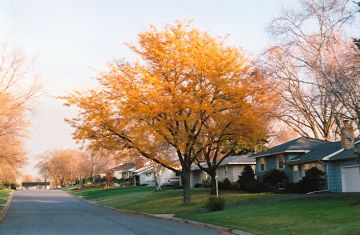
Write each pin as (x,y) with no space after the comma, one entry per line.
(262,165)
(281,162)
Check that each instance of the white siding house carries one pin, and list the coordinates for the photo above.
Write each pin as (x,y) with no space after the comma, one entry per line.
(230,168)
(145,175)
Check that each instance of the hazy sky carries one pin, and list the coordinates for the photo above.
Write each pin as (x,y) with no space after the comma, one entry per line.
(72,40)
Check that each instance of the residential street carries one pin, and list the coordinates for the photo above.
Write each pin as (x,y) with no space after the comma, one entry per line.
(47,212)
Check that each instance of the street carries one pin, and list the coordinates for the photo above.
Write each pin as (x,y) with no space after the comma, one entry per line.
(47,212)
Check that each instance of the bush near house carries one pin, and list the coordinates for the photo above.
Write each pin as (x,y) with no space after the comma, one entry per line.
(247,178)
(226,184)
(274,179)
(313,180)
(256,187)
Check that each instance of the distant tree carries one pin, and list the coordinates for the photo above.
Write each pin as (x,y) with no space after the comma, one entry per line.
(99,161)
(65,166)
(18,87)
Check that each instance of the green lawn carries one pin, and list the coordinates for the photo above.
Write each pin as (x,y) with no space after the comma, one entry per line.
(331,215)
(4,193)
(146,199)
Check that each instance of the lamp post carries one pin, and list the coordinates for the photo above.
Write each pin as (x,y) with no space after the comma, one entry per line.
(217,187)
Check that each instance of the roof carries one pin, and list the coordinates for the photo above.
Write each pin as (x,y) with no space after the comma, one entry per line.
(302,144)
(326,151)
(346,154)
(143,170)
(245,159)
(318,153)
(124,167)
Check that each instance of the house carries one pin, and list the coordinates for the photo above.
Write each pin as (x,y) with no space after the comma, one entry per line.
(123,171)
(230,168)
(146,176)
(336,159)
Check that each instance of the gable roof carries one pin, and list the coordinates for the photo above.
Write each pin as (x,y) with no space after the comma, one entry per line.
(327,151)
(124,167)
(321,151)
(302,144)
(346,153)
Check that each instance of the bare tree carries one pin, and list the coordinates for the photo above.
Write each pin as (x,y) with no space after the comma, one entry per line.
(65,166)
(320,56)
(306,44)
(100,161)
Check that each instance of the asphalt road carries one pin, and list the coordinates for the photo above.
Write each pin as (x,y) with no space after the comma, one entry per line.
(47,212)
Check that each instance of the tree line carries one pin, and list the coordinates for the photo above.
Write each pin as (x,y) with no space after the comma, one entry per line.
(18,87)
(68,166)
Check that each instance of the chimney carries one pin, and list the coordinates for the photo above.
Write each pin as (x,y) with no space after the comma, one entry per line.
(347,135)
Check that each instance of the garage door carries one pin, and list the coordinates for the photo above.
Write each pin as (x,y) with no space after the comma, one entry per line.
(351,179)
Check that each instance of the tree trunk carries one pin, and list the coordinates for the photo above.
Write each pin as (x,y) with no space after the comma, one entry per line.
(185,181)
(213,183)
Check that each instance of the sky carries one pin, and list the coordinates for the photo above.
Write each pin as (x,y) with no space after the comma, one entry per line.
(72,41)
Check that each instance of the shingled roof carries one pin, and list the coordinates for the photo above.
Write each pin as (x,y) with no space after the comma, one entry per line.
(318,153)
(302,144)
(315,150)
(346,154)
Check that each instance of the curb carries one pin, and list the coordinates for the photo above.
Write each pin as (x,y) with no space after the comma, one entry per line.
(221,229)
(7,205)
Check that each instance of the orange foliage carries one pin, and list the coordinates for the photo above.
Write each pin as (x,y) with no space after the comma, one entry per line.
(187,84)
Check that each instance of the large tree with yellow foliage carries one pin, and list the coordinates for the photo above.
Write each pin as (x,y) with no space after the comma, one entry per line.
(162,107)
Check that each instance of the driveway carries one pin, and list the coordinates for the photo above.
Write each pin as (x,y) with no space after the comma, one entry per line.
(47,212)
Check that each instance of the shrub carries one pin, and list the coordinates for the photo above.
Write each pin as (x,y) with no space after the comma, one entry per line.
(255,187)
(312,181)
(226,184)
(247,177)
(198,185)
(1,186)
(215,203)
(235,186)
(206,183)
(273,179)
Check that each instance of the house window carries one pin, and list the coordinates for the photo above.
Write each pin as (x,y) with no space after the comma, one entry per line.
(262,166)
(295,168)
(281,162)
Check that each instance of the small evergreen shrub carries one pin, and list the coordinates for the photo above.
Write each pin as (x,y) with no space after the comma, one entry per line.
(206,183)
(246,178)
(226,184)
(215,203)
(313,180)
(256,187)
(235,186)
(273,179)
